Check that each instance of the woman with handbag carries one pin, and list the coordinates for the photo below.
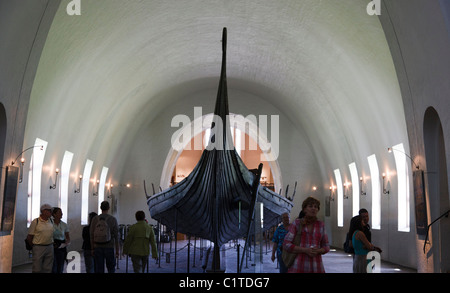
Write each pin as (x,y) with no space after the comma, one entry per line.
(311,242)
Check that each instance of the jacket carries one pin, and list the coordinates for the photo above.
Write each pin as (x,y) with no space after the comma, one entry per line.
(138,240)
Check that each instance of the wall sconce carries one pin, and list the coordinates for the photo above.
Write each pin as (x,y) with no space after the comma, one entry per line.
(332,188)
(110,190)
(385,191)
(390,150)
(362,183)
(128,185)
(79,185)
(56,179)
(314,188)
(346,186)
(22,160)
(96,192)
(35,146)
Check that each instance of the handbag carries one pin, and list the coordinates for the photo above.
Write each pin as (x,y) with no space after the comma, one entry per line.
(289,257)
(28,245)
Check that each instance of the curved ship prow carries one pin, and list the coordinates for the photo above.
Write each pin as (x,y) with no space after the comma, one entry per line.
(215,201)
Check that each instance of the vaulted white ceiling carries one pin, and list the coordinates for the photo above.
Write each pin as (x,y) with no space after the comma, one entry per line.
(325,66)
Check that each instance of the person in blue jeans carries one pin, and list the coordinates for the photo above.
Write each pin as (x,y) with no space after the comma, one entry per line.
(104,232)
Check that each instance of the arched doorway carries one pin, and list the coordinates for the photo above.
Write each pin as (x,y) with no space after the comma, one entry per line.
(438,194)
(196,128)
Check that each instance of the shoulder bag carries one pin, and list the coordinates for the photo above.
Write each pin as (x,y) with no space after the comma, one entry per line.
(289,257)
(28,245)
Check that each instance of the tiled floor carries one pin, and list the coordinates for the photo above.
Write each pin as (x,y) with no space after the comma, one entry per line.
(336,261)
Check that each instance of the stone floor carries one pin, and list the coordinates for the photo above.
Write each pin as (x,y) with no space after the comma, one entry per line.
(336,261)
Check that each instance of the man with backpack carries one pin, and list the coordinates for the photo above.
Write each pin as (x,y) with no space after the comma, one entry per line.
(104,238)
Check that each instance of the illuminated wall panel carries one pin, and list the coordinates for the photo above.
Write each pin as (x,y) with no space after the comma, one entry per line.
(85,192)
(37,163)
(403,188)
(376,192)
(64,184)
(101,187)
(355,188)
(339,198)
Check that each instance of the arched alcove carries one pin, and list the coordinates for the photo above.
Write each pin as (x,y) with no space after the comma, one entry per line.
(201,124)
(438,195)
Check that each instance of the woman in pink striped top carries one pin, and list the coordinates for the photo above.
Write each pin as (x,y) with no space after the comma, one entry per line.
(313,243)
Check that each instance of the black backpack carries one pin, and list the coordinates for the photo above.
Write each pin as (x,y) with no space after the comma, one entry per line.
(347,247)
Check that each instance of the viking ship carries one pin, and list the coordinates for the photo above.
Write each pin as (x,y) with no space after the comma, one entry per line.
(216,200)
